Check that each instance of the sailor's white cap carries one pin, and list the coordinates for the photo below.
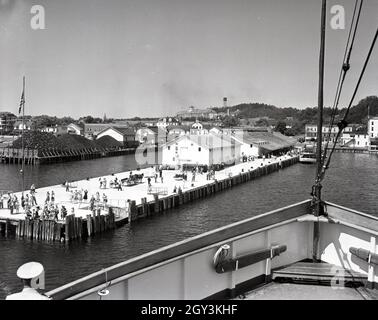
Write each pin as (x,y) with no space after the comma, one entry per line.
(29,270)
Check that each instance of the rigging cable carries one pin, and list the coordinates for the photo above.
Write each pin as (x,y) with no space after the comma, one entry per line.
(343,123)
(344,69)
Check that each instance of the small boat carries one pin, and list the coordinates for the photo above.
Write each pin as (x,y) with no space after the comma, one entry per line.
(307,157)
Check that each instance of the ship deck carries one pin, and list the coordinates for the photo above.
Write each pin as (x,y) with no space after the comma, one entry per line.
(313,281)
(294,291)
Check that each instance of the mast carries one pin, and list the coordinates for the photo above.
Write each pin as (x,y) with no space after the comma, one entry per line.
(318,186)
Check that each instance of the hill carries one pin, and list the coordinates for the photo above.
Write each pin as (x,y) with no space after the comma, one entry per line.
(357,114)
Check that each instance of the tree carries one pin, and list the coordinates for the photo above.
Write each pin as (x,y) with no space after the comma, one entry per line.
(280,127)
(230,121)
(262,123)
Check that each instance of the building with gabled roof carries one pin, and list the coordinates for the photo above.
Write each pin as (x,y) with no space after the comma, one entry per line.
(74,128)
(200,150)
(121,134)
(262,143)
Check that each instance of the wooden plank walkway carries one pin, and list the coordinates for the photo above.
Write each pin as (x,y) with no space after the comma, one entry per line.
(318,271)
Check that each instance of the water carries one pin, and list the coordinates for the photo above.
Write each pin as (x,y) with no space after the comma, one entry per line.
(351,182)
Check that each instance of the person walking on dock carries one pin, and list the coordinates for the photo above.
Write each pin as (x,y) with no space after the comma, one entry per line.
(105,200)
(10,204)
(67,186)
(33,199)
(63,212)
(52,196)
(47,197)
(91,203)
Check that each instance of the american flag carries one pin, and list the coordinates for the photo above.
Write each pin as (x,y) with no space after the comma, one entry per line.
(22,102)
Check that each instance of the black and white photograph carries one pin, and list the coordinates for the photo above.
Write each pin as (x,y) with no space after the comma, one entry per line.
(213,151)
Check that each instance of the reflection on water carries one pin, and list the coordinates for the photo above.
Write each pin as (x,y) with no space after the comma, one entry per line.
(351,181)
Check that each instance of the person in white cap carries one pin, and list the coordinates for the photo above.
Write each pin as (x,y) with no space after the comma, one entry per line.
(26,273)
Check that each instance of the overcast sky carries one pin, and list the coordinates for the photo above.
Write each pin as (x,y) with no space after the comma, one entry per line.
(131,58)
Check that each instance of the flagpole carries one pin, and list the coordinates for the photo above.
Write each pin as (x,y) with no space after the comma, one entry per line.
(22,136)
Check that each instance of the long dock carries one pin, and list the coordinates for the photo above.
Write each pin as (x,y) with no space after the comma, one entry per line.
(132,202)
(12,155)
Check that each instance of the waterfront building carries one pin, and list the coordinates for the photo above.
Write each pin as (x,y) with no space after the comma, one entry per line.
(355,140)
(201,150)
(122,134)
(373,127)
(312,129)
(373,133)
(254,144)
(91,130)
(7,120)
(74,128)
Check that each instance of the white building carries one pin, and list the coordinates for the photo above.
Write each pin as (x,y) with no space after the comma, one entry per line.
(255,144)
(121,134)
(201,150)
(27,125)
(355,140)
(56,130)
(373,134)
(198,128)
(163,123)
(73,128)
(373,127)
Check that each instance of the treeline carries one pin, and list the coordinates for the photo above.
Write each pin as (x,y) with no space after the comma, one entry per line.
(357,114)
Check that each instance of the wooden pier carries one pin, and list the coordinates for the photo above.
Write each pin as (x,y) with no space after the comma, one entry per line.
(50,230)
(164,203)
(155,200)
(12,155)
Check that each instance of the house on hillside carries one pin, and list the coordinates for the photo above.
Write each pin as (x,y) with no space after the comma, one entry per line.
(76,129)
(199,129)
(167,122)
(200,150)
(193,112)
(126,136)
(17,127)
(177,131)
(56,130)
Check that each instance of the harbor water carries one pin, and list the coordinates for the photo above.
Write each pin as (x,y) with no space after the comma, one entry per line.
(351,181)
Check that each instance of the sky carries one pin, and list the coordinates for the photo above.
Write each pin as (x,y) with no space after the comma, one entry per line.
(153,58)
